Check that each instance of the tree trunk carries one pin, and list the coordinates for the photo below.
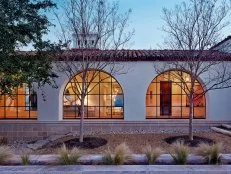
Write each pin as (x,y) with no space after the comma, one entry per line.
(191,113)
(81,121)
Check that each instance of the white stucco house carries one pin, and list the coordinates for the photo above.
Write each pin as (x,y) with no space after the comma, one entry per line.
(139,100)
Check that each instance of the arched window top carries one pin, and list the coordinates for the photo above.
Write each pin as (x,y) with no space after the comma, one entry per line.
(104,96)
(167,96)
(175,76)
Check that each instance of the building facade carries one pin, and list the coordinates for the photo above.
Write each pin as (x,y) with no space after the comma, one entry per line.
(140,100)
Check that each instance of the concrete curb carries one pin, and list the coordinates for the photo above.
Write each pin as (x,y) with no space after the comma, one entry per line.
(133,169)
(223,131)
(164,159)
(227,126)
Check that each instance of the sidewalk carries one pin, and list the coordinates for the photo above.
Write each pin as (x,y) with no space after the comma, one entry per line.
(133,169)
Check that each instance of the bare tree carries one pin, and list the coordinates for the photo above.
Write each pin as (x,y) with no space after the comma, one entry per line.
(194,27)
(95,25)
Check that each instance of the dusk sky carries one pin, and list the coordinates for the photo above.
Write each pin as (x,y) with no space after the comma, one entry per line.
(145,19)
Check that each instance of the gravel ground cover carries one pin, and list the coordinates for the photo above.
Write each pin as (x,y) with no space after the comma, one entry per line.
(136,142)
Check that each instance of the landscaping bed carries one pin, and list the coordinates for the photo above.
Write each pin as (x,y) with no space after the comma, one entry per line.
(132,149)
(135,142)
(191,143)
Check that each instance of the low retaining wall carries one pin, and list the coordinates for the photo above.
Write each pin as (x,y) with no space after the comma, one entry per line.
(29,130)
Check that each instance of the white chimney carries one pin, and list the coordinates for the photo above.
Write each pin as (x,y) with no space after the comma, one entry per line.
(87,41)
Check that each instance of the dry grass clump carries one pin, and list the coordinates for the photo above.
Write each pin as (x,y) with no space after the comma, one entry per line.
(25,157)
(121,154)
(68,157)
(211,153)
(180,152)
(5,154)
(152,153)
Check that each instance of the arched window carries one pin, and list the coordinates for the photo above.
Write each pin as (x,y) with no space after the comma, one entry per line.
(167,97)
(21,104)
(104,99)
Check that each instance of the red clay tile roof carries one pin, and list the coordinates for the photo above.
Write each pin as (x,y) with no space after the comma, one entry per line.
(141,55)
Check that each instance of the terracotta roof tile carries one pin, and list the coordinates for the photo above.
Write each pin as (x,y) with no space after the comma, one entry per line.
(143,55)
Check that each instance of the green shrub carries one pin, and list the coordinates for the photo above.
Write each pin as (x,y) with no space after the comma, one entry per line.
(25,159)
(180,153)
(5,154)
(108,158)
(152,154)
(68,157)
(121,154)
(211,153)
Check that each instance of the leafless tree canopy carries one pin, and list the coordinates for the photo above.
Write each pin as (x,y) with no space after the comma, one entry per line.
(96,19)
(196,26)
(99,20)
(94,24)
(83,18)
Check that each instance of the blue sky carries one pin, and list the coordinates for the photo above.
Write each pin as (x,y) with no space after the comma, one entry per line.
(145,19)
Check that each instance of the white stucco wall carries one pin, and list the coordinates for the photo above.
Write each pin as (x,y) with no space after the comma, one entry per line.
(134,83)
(219,105)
